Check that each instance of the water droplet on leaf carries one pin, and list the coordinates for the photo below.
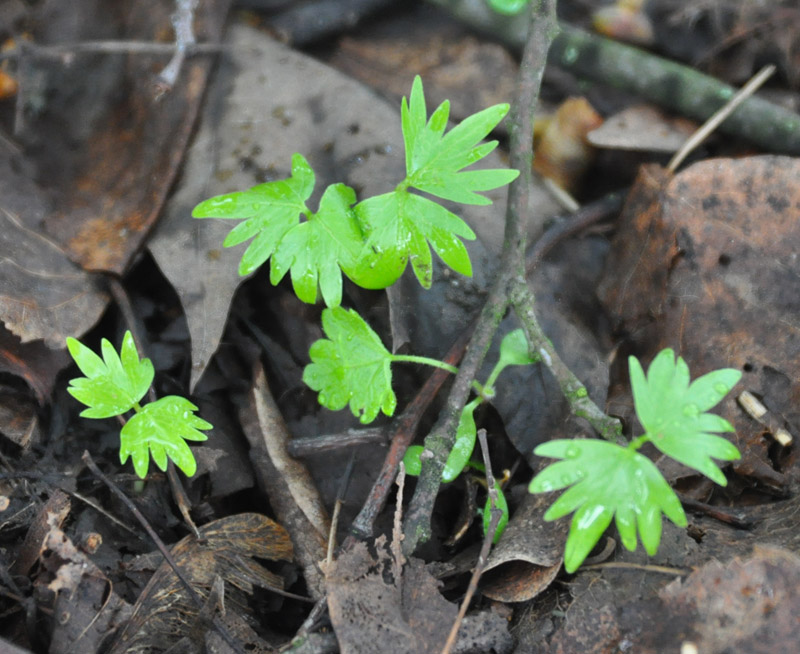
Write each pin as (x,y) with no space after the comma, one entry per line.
(573,452)
(691,410)
(721,388)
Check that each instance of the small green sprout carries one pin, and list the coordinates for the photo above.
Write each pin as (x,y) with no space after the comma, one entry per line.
(609,481)
(115,385)
(370,241)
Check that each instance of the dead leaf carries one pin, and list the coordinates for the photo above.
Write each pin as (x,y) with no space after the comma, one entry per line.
(112,192)
(45,296)
(529,555)
(34,362)
(252,125)
(86,606)
(642,128)
(163,613)
(286,481)
(368,605)
(454,65)
(562,153)
(706,263)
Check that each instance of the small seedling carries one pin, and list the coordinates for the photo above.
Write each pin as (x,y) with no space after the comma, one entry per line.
(115,385)
(370,241)
(609,481)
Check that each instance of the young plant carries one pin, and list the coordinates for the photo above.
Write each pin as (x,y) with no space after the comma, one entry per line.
(370,241)
(352,367)
(115,385)
(609,481)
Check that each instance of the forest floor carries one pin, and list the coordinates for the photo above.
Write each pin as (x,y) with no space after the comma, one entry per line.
(291,530)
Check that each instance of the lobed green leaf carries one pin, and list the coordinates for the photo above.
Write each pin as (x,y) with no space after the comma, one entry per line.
(672,412)
(112,385)
(315,250)
(351,366)
(161,429)
(605,481)
(400,225)
(270,210)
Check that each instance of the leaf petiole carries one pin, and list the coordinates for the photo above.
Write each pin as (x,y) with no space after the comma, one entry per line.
(636,443)
(410,358)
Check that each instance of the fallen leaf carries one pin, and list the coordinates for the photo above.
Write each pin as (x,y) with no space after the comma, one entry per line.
(706,263)
(369,605)
(45,296)
(227,548)
(111,190)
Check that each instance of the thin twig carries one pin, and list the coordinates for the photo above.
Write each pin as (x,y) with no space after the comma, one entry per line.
(66,51)
(572,388)
(542,29)
(193,595)
(703,132)
(496,514)
(182,23)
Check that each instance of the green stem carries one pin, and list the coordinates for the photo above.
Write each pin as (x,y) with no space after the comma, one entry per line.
(137,407)
(410,358)
(636,443)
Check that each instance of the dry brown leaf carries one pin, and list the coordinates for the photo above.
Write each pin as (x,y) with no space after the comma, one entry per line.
(369,605)
(562,151)
(164,613)
(706,263)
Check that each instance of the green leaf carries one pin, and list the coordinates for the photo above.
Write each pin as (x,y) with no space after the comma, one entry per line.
(112,385)
(315,250)
(459,456)
(270,210)
(672,412)
(412,460)
(162,427)
(606,481)
(514,350)
(466,434)
(400,225)
(351,367)
(434,159)
(502,504)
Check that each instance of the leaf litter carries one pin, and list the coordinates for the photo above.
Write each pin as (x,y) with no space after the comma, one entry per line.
(680,267)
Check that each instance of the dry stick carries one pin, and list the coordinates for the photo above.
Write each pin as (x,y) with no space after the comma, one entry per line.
(572,388)
(440,441)
(716,119)
(671,85)
(65,51)
(496,514)
(182,23)
(220,628)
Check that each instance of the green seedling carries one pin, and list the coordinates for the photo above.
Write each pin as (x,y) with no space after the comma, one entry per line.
(513,352)
(115,385)
(370,241)
(608,481)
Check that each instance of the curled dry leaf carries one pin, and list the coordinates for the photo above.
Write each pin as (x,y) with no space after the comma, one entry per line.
(228,548)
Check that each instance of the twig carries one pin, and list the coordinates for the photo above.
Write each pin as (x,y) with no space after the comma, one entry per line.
(483,556)
(337,507)
(671,85)
(542,29)
(182,23)
(403,434)
(66,51)
(703,132)
(193,595)
(572,388)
